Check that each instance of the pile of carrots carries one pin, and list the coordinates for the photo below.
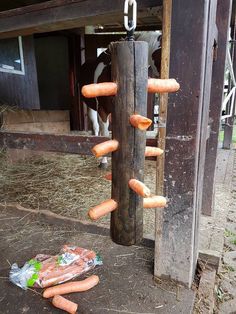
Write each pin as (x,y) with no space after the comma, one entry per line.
(69,287)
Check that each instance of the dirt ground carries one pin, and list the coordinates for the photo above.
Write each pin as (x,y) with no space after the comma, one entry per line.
(65,184)
(225,289)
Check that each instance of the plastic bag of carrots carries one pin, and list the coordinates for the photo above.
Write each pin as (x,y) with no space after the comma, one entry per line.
(47,270)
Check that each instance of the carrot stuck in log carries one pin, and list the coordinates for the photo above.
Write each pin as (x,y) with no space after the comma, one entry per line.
(104,148)
(162,85)
(69,287)
(100,89)
(153,151)
(64,304)
(139,188)
(140,122)
(154,201)
(108,176)
(102,209)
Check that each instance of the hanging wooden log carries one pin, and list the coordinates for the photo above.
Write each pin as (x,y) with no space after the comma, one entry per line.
(130,72)
(162,85)
(100,89)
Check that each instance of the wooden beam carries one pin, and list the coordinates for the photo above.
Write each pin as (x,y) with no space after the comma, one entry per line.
(217,89)
(71,144)
(63,14)
(177,255)
(165,67)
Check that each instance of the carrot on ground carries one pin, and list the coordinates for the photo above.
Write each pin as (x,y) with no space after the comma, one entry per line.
(108,176)
(139,188)
(102,209)
(100,89)
(162,85)
(64,304)
(140,122)
(69,287)
(104,148)
(154,201)
(153,151)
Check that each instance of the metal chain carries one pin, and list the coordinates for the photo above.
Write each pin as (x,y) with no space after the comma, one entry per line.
(130,25)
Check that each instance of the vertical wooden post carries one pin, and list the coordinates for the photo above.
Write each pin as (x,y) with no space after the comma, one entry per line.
(165,65)
(217,89)
(130,72)
(177,229)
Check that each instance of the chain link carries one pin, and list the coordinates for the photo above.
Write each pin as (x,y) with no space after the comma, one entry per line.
(133,25)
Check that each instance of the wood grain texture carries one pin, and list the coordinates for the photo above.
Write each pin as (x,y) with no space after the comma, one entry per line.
(72,144)
(176,251)
(130,72)
(55,15)
(217,88)
(22,90)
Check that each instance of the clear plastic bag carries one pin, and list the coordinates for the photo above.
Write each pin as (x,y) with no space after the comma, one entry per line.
(47,270)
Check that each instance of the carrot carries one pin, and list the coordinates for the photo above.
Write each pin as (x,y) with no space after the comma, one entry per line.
(105,148)
(69,287)
(108,176)
(102,209)
(153,151)
(140,122)
(100,89)
(154,201)
(139,188)
(64,304)
(162,85)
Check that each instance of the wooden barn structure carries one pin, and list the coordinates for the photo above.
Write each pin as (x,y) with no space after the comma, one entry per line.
(52,41)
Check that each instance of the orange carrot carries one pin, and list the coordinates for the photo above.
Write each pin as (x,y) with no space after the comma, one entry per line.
(139,188)
(69,287)
(153,151)
(140,122)
(154,201)
(108,176)
(100,89)
(102,209)
(162,85)
(105,148)
(64,304)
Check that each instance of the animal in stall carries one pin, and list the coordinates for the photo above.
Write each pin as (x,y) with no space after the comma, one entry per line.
(99,70)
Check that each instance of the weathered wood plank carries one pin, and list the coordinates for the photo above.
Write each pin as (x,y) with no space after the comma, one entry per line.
(165,67)
(177,250)
(71,144)
(217,89)
(130,71)
(63,15)
(22,90)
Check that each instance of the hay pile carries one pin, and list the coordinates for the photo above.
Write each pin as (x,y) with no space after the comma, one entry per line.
(64,184)
(67,185)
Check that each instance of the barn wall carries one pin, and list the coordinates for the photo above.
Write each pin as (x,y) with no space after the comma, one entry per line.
(52,59)
(22,90)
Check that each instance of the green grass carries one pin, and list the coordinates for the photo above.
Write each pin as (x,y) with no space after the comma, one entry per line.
(221,135)
(229,233)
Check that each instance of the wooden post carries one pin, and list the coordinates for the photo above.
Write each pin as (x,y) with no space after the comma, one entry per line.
(130,72)
(177,229)
(217,89)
